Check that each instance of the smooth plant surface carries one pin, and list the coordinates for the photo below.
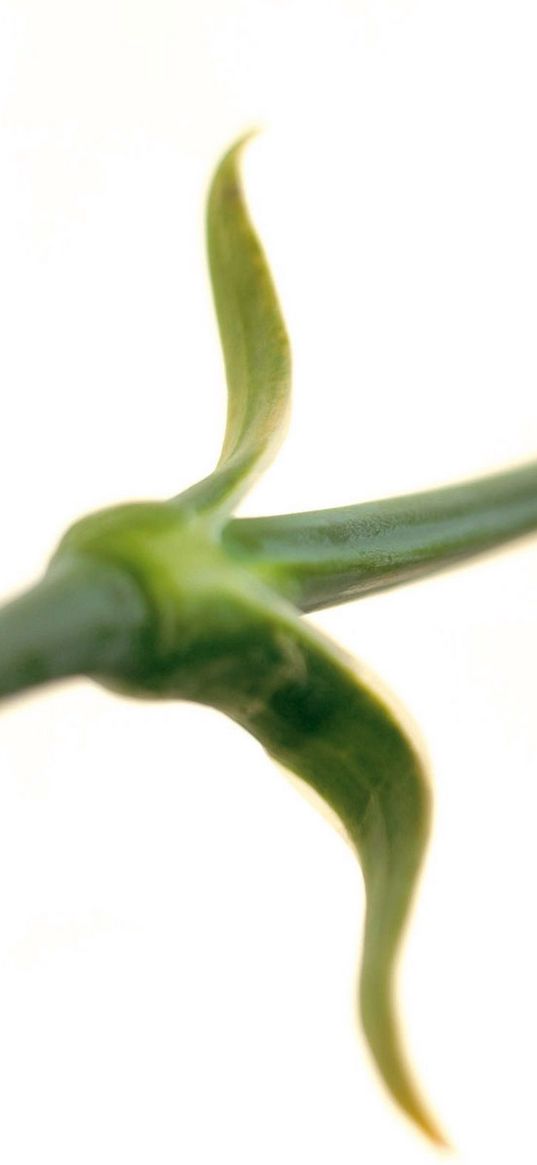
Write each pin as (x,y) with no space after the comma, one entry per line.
(180,600)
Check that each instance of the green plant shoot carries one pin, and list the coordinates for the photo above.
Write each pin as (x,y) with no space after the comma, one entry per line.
(180,600)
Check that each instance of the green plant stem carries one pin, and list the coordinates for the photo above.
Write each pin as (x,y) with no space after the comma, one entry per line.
(325,557)
(78,620)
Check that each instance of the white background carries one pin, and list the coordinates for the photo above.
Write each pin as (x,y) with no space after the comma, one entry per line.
(179,928)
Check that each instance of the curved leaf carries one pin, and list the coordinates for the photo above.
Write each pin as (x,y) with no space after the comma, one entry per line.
(254,339)
(315,712)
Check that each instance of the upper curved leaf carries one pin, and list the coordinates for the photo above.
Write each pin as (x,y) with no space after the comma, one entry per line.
(254,339)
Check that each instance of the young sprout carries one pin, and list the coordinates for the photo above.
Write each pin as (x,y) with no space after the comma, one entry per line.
(179,600)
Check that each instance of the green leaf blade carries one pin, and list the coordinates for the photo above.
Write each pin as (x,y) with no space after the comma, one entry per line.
(325,557)
(364,766)
(254,340)
(317,715)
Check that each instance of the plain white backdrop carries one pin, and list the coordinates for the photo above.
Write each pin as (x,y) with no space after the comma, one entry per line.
(179,927)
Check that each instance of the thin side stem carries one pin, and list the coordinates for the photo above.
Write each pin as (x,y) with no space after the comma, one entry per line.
(325,557)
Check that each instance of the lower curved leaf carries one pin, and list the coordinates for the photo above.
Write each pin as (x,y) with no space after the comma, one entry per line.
(314,712)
